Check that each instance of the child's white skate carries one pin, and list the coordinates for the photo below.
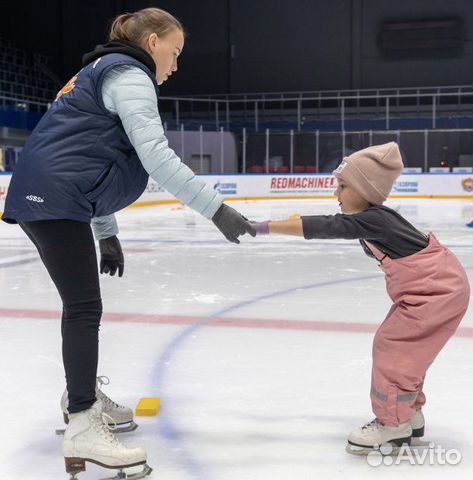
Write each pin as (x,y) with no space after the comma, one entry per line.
(88,438)
(418,429)
(374,434)
(122,417)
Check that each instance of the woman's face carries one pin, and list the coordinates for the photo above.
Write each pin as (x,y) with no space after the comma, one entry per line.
(349,200)
(165,51)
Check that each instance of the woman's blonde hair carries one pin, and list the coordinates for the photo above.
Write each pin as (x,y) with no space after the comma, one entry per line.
(135,27)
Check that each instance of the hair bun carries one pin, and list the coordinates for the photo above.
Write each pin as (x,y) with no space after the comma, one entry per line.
(135,27)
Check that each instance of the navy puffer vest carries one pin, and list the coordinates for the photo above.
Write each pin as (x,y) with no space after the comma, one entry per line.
(78,163)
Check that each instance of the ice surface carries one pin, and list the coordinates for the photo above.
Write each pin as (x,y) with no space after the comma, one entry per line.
(260,352)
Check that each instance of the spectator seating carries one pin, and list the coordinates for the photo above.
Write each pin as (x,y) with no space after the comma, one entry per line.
(256,169)
(282,169)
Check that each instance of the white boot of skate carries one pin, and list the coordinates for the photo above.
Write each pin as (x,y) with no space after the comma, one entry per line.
(374,434)
(89,438)
(122,417)
(418,429)
(418,424)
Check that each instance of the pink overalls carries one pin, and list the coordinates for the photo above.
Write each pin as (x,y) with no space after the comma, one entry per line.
(430,291)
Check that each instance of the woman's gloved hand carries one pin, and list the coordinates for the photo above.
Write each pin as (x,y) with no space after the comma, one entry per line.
(111,256)
(231,223)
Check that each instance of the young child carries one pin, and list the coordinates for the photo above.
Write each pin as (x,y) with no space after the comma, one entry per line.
(427,284)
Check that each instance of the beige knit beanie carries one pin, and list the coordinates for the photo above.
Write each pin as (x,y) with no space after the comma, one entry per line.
(371,172)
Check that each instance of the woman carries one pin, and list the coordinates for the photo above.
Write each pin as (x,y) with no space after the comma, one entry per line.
(90,156)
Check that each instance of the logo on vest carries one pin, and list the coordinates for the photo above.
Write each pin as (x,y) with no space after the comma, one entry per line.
(34,198)
(68,87)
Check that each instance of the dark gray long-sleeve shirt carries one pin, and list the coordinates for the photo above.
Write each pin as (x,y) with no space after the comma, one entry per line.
(383,227)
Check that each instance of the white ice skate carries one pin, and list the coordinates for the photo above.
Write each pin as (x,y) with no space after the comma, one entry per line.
(374,434)
(418,429)
(88,438)
(122,417)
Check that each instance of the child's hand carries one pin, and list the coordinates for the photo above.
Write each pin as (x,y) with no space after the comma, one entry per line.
(261,228)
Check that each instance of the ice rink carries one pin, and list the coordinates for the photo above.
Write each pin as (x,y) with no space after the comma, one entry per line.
(260,353)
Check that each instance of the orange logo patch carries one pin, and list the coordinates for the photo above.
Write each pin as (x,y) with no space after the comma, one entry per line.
(68,87)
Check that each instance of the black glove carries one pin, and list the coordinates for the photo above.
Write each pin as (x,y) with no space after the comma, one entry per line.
(111,256)
(232,224)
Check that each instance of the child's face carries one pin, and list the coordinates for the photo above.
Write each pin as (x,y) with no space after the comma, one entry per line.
(165,51)
(349,200)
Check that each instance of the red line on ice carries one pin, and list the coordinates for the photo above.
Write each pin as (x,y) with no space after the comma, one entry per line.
(308,325)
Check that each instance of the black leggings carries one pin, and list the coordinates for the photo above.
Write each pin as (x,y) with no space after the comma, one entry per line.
(67,250)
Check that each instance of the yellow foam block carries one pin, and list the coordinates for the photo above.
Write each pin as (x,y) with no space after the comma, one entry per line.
(148,407)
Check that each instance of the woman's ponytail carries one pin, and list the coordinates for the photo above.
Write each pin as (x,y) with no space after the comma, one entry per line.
(135,27)
(119,30)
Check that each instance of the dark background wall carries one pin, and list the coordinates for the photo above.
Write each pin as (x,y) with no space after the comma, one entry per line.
(259,45)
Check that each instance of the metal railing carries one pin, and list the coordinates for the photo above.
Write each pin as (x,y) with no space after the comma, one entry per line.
(453,89)
(316,151)
(25,104)
(319,151)
(301,111)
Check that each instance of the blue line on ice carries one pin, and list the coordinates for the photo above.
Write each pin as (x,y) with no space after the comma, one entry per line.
(167,428)
(170,431)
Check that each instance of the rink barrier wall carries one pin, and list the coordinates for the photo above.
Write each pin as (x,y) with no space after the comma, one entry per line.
(138,204)
(310,186)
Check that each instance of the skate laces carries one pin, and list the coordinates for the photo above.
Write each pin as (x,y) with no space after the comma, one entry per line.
(104,425)
(108,402)
(371,426)
(103,380)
